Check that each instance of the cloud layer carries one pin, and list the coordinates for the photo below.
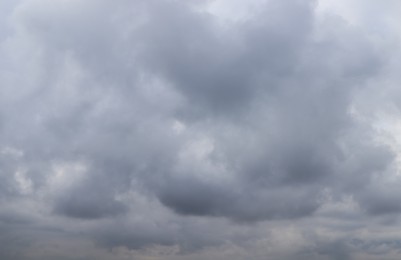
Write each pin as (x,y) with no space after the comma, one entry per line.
(199,129)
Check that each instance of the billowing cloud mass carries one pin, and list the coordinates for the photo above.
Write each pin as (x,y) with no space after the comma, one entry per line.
(188,130)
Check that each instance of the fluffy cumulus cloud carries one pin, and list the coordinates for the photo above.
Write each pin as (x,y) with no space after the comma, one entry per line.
(168,129)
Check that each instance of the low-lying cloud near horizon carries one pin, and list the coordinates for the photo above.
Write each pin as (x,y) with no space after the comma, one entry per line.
(201,129)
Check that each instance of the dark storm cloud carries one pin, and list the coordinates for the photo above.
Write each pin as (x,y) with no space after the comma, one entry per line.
(114,114)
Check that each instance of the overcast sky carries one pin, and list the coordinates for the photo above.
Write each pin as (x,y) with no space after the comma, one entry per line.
(200,129)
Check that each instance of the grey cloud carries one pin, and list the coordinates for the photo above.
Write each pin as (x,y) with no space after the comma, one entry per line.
(104,106)
(202,199)
(305,122)
(228,66)
(81,204)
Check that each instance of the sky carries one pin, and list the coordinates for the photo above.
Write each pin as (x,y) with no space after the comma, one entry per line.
(200,129)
